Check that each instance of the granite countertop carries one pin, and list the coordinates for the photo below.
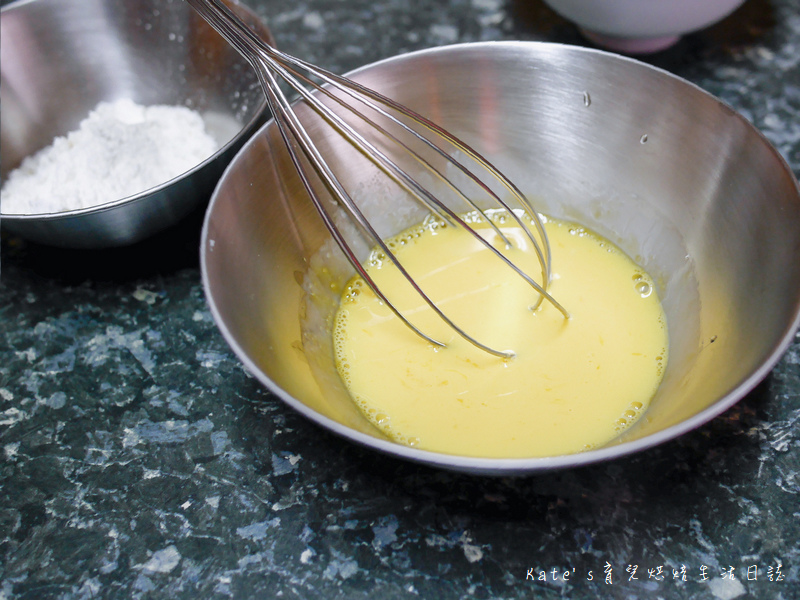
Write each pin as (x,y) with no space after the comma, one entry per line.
(139,460)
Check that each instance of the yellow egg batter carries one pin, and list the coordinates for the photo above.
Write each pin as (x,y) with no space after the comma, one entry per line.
(574,384)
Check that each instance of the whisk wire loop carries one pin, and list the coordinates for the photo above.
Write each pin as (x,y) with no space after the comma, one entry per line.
(289,123)
(269,62)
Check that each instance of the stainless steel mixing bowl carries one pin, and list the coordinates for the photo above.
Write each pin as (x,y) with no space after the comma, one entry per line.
(681,182)
(60,59)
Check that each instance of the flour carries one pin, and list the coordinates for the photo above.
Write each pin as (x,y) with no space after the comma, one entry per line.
(119,150)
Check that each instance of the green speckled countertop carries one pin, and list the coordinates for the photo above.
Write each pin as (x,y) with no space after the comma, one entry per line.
(140,460)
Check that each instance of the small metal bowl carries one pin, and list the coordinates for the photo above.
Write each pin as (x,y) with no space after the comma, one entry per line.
(678,180)
(60,59)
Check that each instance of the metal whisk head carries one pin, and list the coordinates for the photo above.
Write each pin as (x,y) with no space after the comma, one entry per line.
(373,123)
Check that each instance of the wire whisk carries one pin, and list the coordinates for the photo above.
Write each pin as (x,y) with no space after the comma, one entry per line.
(351,103)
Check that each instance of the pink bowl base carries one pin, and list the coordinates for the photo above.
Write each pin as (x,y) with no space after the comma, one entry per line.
(631,45)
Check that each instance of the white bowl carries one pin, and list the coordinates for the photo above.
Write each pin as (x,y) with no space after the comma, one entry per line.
(641,26)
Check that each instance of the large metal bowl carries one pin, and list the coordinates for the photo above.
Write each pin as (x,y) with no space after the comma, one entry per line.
(60,59)
(681,182)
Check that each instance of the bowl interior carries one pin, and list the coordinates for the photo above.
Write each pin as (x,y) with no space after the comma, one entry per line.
(679,181)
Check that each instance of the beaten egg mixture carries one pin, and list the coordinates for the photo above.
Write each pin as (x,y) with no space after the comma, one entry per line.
(573,383)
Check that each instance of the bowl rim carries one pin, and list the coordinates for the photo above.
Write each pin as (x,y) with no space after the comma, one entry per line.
(504,466)
(245,131)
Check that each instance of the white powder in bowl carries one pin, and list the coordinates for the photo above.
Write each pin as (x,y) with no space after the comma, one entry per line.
(120,149)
